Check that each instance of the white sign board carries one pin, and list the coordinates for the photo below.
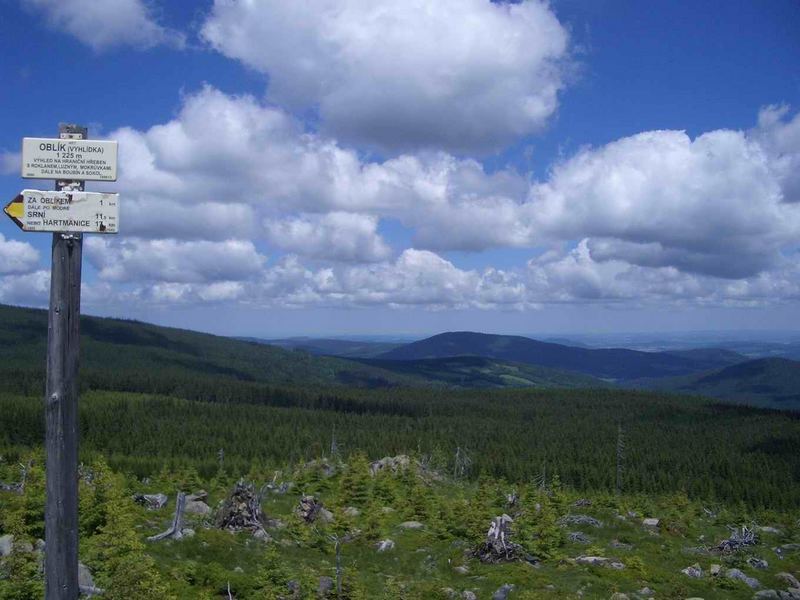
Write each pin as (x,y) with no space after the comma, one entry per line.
(88,160)
(67,212)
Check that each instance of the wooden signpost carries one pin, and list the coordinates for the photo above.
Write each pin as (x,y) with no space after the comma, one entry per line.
(69,212)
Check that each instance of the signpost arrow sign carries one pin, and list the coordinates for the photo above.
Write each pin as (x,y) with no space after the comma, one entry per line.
(66,212)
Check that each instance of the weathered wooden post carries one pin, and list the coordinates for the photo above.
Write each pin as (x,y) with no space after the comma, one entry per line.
(68,213)
(61,404)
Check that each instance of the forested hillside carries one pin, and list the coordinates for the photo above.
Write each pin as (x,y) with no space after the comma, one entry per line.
(134,356)
(769,382)
(165,411)
(611,363)
(332,347)
(480,372)
(748,455)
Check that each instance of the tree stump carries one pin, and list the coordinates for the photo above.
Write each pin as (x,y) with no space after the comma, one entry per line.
(241,511)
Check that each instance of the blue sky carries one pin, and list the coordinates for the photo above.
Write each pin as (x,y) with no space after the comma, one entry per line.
(380,167)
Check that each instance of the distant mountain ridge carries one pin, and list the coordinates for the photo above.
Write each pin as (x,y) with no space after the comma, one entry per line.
(767,382)
(610,363)
(135,356)
(330,346)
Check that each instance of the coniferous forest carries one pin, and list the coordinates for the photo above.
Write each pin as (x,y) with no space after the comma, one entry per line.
(578,472)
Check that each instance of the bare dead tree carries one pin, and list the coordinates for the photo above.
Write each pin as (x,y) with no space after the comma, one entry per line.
(18,487)
(540,481)
(177,521)
(461,464)
(338,540)
(334,445)
(620,456)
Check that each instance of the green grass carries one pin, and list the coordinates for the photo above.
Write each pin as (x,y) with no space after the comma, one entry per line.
(655,559)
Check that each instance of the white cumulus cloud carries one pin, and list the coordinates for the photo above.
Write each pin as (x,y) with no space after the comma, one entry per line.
(173,261)
(103,24)
(454,74)
(661,210)
(26,289)
(339,236)
(17,257)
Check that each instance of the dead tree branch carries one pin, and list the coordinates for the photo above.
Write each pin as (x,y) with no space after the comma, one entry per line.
(177,521)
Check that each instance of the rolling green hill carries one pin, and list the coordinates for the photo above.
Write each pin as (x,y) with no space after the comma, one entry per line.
(139,357)
(767,382)
(119,350)
(611,363)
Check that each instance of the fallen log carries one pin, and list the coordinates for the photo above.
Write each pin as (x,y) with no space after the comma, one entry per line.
(177,521)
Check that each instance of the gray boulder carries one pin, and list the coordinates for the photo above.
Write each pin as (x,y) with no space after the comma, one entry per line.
(411,525)
(384,545)
(757,563)
(390,463)
(694,571)
(6,544)
(85,579)
(198,496)
(310,509)
(262,536)
(325,586)
(789,579)
(197,507)
(274,524)
(503,592)
(151,501)
(579,520)
(469,595)
(593,561)
(651,522)
(737,574)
